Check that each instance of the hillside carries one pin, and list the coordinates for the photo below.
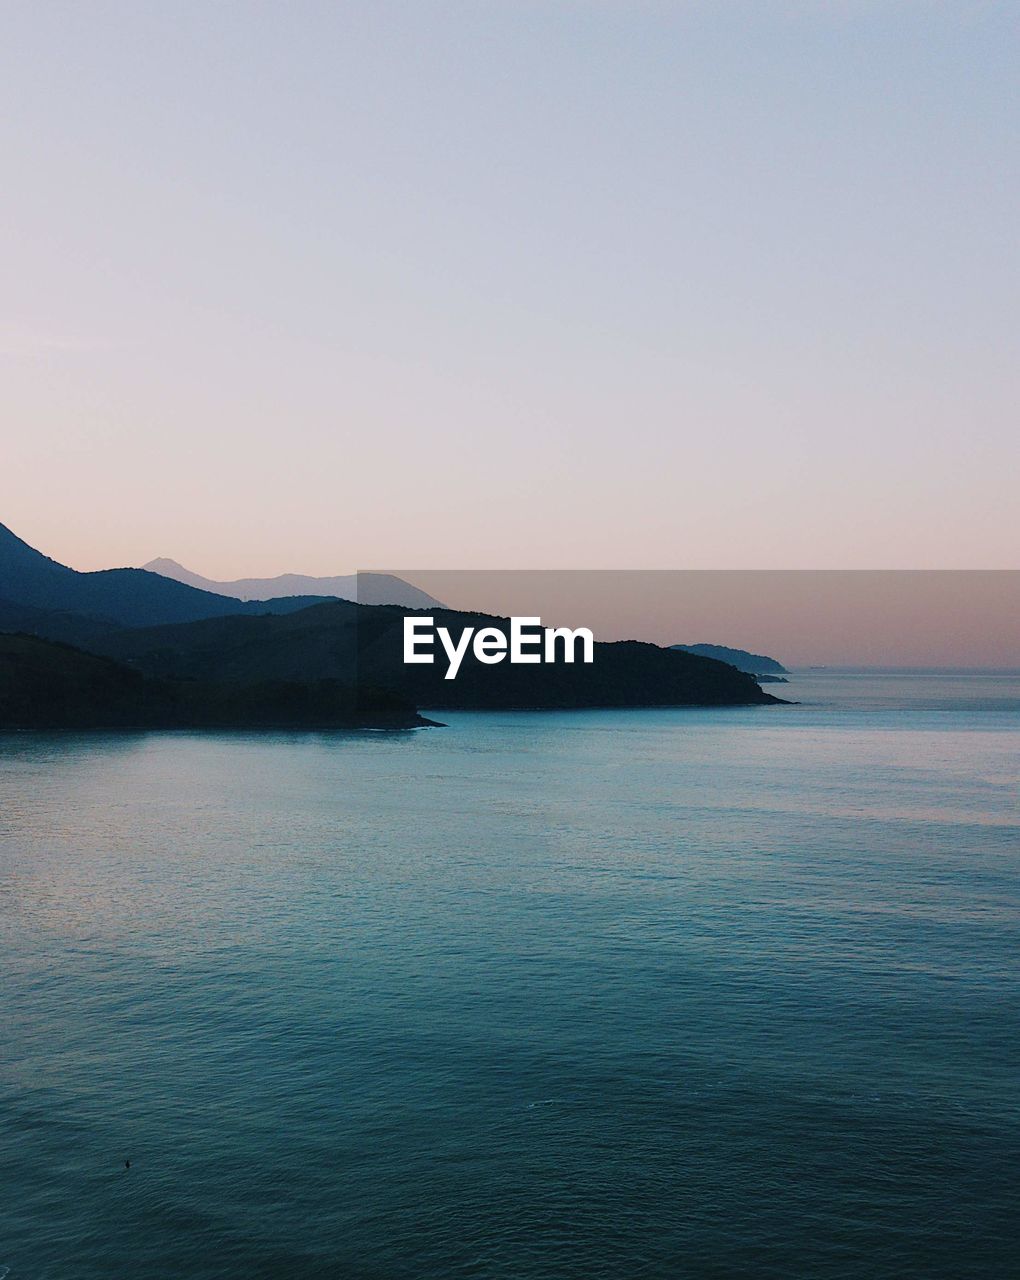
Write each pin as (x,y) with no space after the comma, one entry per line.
(55,624)
(46,685)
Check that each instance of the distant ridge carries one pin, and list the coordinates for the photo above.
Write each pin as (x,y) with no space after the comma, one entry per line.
(367,588)
(116,597)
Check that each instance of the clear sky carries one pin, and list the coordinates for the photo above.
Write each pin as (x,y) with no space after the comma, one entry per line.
(568,283)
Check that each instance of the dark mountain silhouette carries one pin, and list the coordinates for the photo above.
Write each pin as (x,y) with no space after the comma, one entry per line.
(185,656)
(364,644)
(47,685)
(756,664)
(123,597)
(368,588)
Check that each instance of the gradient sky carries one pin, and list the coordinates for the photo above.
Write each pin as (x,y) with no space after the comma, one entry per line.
(570,283)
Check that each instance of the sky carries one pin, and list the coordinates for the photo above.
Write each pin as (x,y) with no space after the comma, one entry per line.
(608,284)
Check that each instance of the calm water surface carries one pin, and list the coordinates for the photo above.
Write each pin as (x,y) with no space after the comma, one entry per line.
(603,994)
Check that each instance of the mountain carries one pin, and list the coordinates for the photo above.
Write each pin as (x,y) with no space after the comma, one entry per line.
(368,588)
(46,685)
(185,656)
(118,597)
(363,643)
(756,664)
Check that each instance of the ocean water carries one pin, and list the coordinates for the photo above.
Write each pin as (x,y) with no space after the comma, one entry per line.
(595,994)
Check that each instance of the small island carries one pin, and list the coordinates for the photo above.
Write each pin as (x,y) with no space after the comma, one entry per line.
(764,669)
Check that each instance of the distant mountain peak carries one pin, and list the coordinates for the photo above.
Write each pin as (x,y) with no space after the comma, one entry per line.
(162,563)
(167,568)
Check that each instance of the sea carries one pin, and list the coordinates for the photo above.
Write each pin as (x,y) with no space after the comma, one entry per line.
(650,993)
